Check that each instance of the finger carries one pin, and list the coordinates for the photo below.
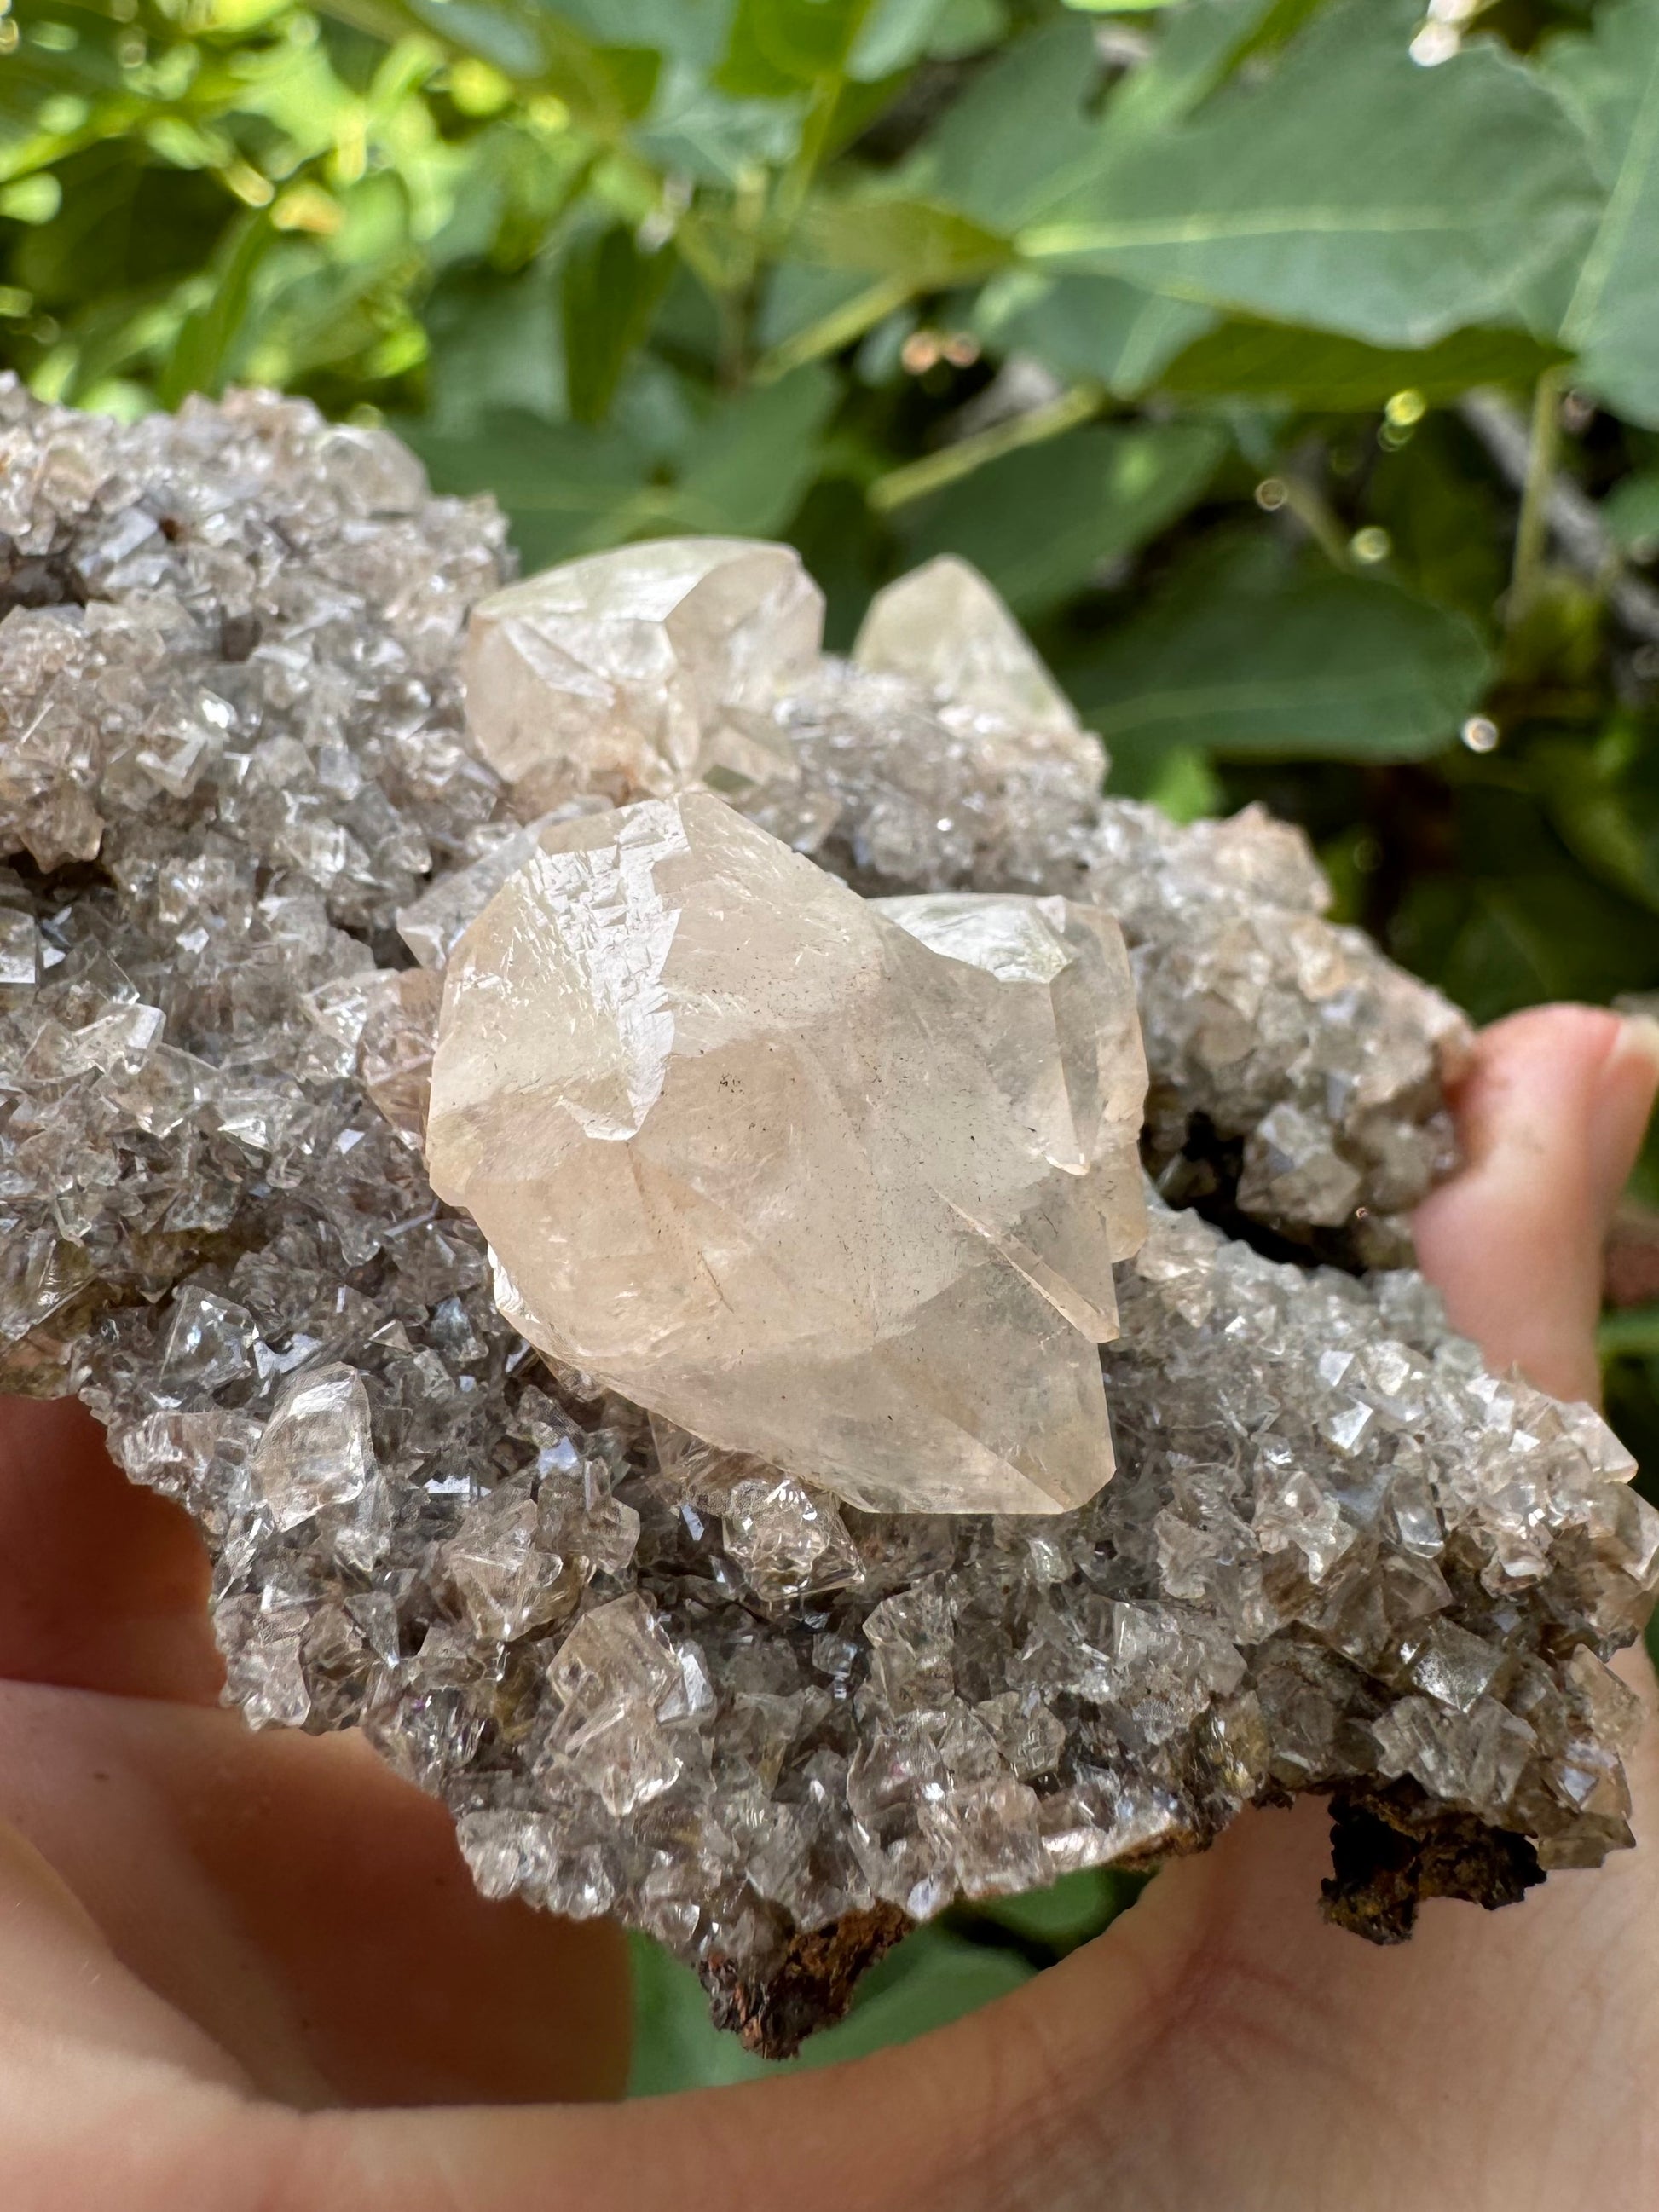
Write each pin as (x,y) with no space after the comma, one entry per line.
(306,1912)
(1552,1115)
(102,1585)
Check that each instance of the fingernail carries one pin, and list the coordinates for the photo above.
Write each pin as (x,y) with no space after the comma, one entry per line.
(1639,1040)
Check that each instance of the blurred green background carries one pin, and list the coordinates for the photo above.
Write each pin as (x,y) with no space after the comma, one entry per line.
(1292,365)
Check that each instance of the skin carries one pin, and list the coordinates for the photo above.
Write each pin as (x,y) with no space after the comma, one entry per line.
(248,1973)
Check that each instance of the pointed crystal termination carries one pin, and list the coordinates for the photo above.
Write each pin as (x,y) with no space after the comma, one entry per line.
(836,1185)
(636,673)
(945,627)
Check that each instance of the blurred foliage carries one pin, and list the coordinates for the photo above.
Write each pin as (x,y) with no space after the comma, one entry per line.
(1292,365)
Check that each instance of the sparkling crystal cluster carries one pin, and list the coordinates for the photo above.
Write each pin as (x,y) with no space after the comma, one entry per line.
(650,1674)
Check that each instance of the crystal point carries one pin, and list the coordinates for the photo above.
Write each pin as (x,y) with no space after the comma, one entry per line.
(836,1184)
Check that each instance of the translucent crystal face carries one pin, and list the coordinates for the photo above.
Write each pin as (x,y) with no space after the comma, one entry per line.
(946,629)
(636,672)
(836,1185)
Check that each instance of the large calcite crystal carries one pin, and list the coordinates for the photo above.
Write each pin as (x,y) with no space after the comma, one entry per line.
(648,1675)
(833,1184)
(636,673)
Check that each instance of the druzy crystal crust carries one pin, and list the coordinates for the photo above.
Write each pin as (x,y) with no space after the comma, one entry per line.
(836,1184)
(650,1674)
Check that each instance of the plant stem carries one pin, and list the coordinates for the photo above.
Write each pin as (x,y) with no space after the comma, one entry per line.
(1532,530)
(917,479)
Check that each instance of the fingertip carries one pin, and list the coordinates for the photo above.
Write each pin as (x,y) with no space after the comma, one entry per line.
(1551,1113)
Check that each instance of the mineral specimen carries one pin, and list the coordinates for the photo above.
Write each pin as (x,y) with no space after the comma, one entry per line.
(650,1676)
(634,673)
(749,1151)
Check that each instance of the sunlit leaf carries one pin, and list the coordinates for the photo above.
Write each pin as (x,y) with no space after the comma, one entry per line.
(1350,191)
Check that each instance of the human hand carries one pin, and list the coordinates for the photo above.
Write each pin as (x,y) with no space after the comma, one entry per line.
(226,1957)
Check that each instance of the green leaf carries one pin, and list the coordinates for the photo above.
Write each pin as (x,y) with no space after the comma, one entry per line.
(1073,1911)
(1041,521)
(691,30)
(1198,48)
(777,46)
(1115,334)
(208,338)
(896,33)
(1604,799)
(1631,1334)
(1350,191)
(1630,512)
(609,291)
(748,469)
(739,471)
(697,131)
(1317,368)
(1612,316)
(1021,123)
(566,489)
(496,345)
(1250,658)
(881,234)
(604,86)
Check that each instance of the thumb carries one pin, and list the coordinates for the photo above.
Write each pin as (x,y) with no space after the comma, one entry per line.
(1552,1114)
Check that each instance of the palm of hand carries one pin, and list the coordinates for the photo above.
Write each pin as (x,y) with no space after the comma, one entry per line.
(224,1958)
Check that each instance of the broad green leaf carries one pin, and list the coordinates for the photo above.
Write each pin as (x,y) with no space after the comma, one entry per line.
(1318,368)
(693,31)
(776,46)
(880,234)
(609,290)
(1613,315)
(1198,47)
(1351,191)
(495,345)
(1516,922)
(1246,657)
(1025,120)
(800,295)
(748,469)
(895,34)
(740,470)
(694,129)
(1042,521)
(1115,334)
(566,489)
